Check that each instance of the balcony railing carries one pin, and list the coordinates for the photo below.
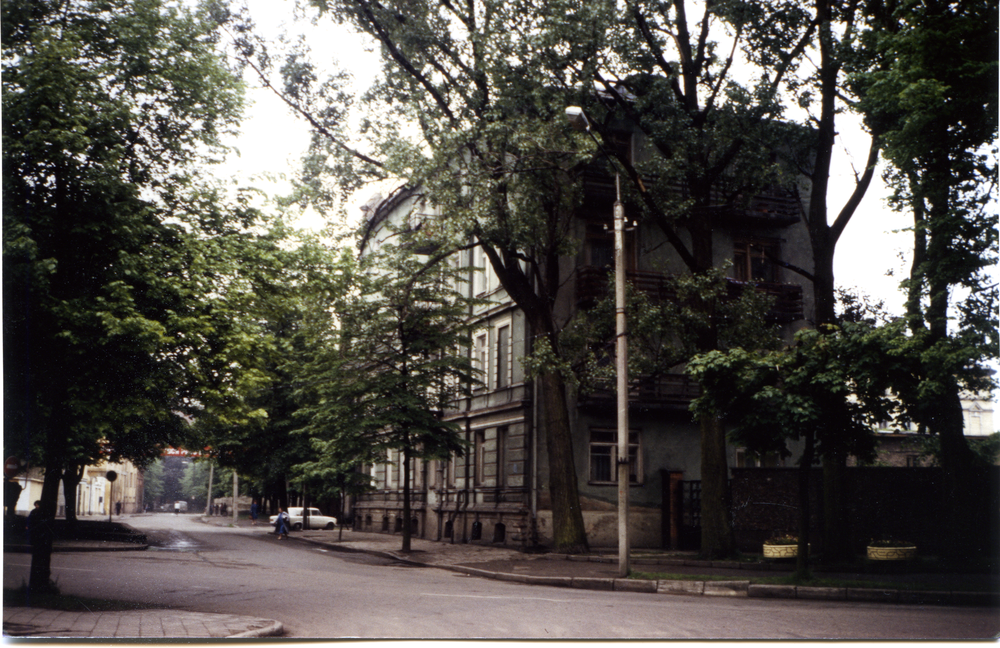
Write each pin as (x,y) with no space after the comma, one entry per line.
(772,207)
(592,286)
(671,391)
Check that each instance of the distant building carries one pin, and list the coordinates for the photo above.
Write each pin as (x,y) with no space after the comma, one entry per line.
(95,495)
(904,446)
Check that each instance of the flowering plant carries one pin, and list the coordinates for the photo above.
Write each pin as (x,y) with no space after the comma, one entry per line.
(890,542)
(785,539)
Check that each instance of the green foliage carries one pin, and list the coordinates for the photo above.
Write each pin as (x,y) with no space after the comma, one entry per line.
(391,364)
(194,482)
(108,108)
(469,108)
(835,384)
(663,334)
(933,95)
(152,482)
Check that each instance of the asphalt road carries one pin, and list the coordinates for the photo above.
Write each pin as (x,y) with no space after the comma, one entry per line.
(320,594)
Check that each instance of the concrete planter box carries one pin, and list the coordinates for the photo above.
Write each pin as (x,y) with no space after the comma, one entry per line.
(781,551)
(892,553)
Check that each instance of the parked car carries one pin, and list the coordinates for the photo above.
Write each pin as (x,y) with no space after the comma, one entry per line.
(316,519)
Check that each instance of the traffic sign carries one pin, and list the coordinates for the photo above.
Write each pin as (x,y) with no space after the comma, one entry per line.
(11,466)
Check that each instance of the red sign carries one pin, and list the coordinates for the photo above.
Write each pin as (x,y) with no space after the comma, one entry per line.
(179,452)
(11,466)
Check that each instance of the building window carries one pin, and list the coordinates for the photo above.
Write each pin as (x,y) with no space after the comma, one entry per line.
(480,357)
(484,280)
(393,470)
(502,434)
(751,262)
(480,457)
(503,356)
(604,457)
(601,245)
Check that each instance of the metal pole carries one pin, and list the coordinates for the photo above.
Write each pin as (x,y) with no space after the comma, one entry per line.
(621,365)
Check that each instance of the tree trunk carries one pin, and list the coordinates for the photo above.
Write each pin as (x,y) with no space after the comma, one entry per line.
(71,481)
(407,531)
(717,537)
(836,546)
(40,579)
(569,533)
(805,509)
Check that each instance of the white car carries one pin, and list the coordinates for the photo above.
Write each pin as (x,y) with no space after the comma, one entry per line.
(316,519)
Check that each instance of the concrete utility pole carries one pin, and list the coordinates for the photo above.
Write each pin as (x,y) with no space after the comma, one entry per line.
(621,366)
(235,494)
(211,474)
(579,120)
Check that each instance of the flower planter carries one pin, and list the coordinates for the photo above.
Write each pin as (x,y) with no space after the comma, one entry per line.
(892,553)
(781,551)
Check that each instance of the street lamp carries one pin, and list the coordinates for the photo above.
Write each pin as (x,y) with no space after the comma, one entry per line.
(578,120)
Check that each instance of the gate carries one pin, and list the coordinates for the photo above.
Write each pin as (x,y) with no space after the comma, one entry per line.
(690,531)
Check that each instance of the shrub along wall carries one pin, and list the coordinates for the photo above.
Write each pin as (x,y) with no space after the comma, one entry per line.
(904,503)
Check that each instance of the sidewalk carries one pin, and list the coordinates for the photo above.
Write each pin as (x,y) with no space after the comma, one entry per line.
(134,624)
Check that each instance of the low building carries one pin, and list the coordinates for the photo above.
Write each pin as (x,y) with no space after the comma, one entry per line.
(95,495)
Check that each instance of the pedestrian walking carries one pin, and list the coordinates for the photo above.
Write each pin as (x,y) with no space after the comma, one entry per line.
(177,508)
(254,510)
(34,520)
(281,524)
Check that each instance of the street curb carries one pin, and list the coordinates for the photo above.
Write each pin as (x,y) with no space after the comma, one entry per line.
(71,549)
(276,629)
(719,588)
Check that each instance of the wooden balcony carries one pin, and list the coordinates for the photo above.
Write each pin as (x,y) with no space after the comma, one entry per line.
(772,207)
(669,392)
(592,285)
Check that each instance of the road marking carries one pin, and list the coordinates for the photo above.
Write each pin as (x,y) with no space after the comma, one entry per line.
(519,598)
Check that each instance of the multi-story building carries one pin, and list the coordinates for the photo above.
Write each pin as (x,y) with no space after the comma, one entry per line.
(498,492)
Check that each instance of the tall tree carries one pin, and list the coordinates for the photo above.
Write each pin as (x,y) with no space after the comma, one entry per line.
(106,105)
(483,114)
(383,383)
(485,85)
(934,97)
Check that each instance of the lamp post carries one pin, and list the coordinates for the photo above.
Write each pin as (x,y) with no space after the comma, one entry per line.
(578,119)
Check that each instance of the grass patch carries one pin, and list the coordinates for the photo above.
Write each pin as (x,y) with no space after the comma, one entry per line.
(55,601)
